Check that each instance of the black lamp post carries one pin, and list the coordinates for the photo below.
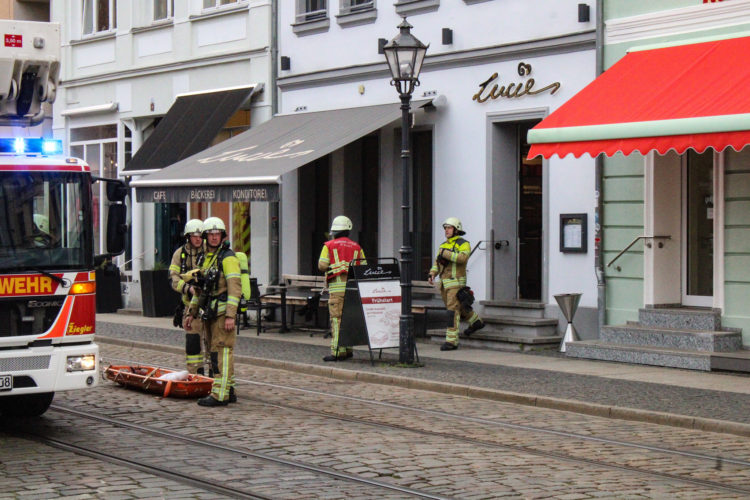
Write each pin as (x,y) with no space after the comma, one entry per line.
(405,55)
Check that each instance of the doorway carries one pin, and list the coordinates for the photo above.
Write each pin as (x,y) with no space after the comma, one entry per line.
(516,252)
(698,229)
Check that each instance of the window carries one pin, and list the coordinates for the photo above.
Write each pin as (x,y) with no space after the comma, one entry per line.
(163,9)
(311,10)
(351,6)
(212,4)
(99,15)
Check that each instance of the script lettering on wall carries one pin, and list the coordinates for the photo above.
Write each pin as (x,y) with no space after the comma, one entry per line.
(512,90)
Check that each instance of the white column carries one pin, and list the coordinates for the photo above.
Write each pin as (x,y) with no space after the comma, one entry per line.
(260,243)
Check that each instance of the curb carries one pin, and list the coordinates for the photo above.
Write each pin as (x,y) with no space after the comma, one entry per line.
(574,406)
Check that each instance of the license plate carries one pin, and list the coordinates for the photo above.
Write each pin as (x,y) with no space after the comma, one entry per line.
(6,382)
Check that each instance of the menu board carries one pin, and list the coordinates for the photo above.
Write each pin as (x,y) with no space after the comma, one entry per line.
(381,305)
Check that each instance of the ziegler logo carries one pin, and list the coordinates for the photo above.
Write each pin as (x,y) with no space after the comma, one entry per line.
(79,330)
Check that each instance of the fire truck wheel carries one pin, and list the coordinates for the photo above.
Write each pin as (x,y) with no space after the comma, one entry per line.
(26,405)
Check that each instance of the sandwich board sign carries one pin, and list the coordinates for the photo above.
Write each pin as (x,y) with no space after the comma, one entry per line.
(372,307)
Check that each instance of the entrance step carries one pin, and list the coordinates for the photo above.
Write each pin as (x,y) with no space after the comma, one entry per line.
(655,356)
(738,361)
(498,340)
(521,326)
(526,308)
(685,318)
(672,338)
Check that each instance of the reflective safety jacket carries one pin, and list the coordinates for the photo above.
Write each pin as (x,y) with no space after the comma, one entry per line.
(226,297)
(450,263)
(334,261)
(184,259)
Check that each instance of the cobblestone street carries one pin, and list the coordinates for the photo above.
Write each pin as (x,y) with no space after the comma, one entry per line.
(436,445)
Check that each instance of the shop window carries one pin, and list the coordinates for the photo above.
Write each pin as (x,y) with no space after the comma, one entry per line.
(163,10)
(99,16)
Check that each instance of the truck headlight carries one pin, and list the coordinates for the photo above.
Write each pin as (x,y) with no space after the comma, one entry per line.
(81,363)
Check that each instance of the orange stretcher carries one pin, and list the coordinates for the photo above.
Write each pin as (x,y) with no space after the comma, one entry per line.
(146,378)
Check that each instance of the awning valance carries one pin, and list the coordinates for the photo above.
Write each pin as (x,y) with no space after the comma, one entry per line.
(661,98)
(190,125)
(249,166)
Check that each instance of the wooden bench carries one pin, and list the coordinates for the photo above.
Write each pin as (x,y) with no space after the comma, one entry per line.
(296,290)
(425,298)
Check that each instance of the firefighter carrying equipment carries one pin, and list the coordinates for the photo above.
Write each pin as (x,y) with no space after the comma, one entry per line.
(453,221)
(450,263)
(341,223)
(222,288)
(193,226)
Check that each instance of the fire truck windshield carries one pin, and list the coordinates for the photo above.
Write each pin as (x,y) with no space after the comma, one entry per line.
(45,221)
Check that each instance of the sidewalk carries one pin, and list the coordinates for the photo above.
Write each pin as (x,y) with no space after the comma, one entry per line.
(684,398)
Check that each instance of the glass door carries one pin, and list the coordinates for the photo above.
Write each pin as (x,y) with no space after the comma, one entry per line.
(698,230)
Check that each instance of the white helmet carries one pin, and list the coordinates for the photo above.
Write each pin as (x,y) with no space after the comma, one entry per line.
(214,224)
(453,221)
(193,226)
(42,223)
(341,223)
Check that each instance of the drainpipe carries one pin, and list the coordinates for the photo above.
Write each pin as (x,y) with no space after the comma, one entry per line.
(601,285)
(274,56)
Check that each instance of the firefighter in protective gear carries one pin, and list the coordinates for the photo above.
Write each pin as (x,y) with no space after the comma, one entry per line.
(185,259)
(450,267)
(334,261)
(41,234)
(223,288)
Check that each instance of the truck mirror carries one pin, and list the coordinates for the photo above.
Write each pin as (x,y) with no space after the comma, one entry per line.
(116,191)
(116,229)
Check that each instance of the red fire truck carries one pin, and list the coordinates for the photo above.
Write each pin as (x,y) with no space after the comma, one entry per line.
(47,278)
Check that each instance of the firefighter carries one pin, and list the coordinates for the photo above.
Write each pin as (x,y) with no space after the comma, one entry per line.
(450,267)
(217,304)
(334,261)
(187,258)
(41,236)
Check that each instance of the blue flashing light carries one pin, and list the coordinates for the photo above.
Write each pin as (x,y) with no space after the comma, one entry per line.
(30,146)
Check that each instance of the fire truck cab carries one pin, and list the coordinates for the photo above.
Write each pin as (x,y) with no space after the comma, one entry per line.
(47,277)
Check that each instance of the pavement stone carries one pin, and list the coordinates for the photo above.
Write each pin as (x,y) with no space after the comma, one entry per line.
(708,401)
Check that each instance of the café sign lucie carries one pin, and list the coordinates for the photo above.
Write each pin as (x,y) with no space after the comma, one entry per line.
(514,89)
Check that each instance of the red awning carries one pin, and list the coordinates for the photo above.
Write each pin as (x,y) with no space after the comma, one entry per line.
(657,98)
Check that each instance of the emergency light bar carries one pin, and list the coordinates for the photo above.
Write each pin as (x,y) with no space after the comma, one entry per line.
(25,145)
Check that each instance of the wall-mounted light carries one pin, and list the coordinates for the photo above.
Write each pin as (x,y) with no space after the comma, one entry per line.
(286,63)
(381,45)
(584,13)
(447,36)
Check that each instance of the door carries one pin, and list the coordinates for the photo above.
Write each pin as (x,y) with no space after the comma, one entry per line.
(516,252)
(698,229)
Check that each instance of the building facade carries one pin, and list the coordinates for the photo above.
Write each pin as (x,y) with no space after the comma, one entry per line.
(493,70)
(123,66)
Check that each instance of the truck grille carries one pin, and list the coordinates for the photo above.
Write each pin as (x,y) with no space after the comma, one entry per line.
(24,364)
(28,315)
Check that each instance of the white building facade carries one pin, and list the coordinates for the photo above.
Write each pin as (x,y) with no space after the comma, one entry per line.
(123,66)
(493,70)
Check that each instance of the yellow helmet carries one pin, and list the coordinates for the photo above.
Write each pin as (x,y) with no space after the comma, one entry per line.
(453,221)
(193,226)
(214,224)
(42,223)
(341,223)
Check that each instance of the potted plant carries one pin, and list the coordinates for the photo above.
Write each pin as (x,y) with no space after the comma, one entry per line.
(157,295)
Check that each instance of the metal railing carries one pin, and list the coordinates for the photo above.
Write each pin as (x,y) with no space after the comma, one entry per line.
(636,240)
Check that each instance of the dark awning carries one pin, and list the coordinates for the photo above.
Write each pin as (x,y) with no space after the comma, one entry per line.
(248,167)
(189,127)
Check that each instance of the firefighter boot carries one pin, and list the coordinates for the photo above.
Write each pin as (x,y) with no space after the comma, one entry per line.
(447,346)
(211,401)
(477,325)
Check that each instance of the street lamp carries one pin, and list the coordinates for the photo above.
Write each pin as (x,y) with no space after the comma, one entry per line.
(405,55)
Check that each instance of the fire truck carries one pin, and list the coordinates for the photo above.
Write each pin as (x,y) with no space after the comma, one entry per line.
(47,262)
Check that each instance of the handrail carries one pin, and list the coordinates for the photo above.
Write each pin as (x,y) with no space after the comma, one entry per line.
(637,238)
